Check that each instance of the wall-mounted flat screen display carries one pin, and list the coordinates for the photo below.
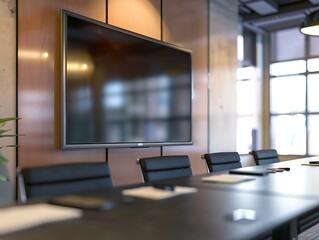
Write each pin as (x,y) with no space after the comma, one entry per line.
(122,89)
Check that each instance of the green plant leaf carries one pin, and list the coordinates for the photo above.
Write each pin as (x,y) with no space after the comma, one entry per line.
(3,120)
(3,178)
(3,160)
(4,130)
(9,146)
(9,135)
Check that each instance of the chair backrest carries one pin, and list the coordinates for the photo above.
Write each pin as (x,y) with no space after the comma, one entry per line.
(165,167)
(222,161)
(46,181)
(265,156)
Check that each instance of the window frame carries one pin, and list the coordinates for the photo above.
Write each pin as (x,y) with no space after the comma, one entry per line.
(307,56)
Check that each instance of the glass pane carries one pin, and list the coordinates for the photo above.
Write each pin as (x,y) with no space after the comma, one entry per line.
(288,94)
(287,68)
(281,51)
(313,92)
(245,97)
(288,134)
(244,138)
(313,134)
(313,65)
(313,48)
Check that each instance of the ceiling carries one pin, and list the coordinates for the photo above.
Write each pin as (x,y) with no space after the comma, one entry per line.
(270,15)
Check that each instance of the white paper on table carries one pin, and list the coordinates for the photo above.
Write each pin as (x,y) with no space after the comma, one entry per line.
(227,178)
(151,192)
(26,216)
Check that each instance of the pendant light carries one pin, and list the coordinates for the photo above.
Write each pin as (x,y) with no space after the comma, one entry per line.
(310,25)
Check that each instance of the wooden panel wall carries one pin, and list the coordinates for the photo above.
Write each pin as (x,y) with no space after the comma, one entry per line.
(39,80)
(182,22)
(140,16)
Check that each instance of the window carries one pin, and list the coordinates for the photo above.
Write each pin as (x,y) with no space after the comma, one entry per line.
(294,93)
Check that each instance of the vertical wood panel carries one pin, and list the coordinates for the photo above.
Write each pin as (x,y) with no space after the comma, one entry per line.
(143,17)
(140,16)
(39,80)
(185,24)
(223,64)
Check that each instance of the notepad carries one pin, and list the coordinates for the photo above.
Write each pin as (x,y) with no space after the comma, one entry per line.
(26,216)
(226,178)
(149,192)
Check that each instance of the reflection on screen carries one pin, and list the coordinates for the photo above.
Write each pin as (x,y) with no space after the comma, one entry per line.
(124,89)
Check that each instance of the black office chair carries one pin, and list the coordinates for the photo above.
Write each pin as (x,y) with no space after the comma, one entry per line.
(165,167)
(265,156)
(53,180)
(222,161)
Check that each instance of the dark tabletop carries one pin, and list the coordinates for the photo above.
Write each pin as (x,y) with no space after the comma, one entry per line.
(276,199)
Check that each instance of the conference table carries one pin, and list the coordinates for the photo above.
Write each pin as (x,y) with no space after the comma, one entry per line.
(246,210)
(301,180)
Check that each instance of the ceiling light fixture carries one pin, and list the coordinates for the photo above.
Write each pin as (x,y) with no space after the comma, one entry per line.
(310,25)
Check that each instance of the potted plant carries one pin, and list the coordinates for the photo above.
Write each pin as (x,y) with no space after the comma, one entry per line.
(4,133)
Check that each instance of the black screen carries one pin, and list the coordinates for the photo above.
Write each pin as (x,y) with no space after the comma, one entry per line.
(121,89)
